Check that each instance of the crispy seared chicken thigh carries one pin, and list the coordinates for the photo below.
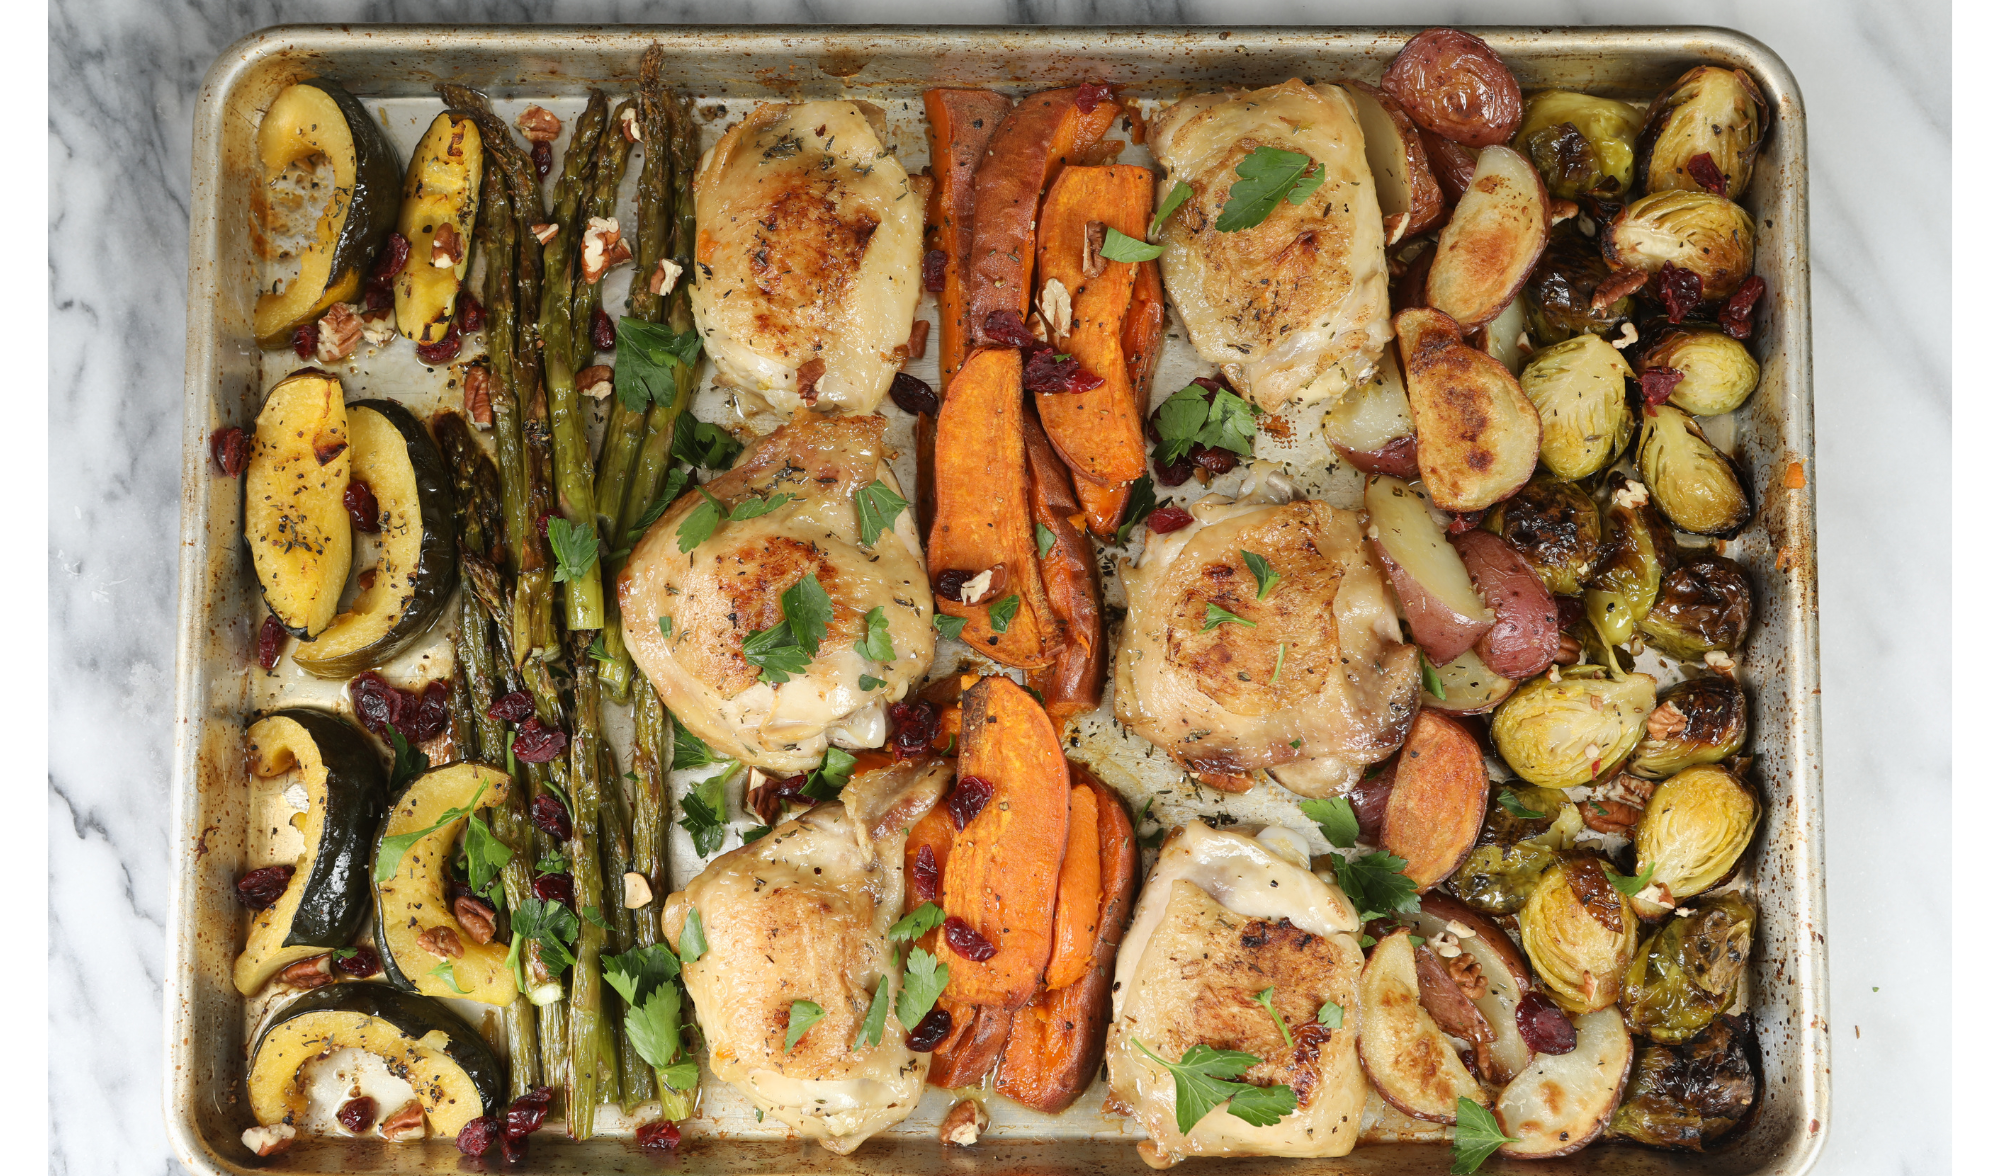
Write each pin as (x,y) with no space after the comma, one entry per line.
(807,256)
(803,913)
(1297,307)
(687,613)
(1312,682)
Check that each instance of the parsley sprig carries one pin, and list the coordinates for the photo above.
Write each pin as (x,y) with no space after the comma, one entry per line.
(1119,247)
(702,521)
(877,507)
(575,548)
(1476,1136)
(645,976)
(1176,196)
(1217,615)
(1190,418)
(389,855)
(1266,176)
(1204,1078)
(924,978)
(647,354)
(1374,882)
(789,646)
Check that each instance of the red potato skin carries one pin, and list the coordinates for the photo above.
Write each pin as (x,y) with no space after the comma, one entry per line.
(1443,633)
(1397,459)
(1427,207)
(1451,165)
(1526,630)
(1453,84)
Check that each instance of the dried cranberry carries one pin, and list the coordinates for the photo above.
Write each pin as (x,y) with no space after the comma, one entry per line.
(374,297)
(933,270)
(512,1149)
(525,1114)
(1678,290)
(555,887)
(538,743)
(1543,1025)
(394,256)
(357,1114)
(967,941)
(270,642)
(544,157)
(377,704)
(1463,521)
(478,1135)
(967,800)
(362,509)
(1089,94)
(924,875)
(950,584)
(444,350)
(913,727)
(603,332)
(550,816)
(930,1032)
(1656,384)
(913,395)
(1168,519)
(471,315)
(432,712)
(1741,305)
(260,888)
(1215,459)
(1702,170)
(1049,371)
(231,449)
(360,963)
(305,339)
(659,1136)
(1005,326)
(511,707)
(1569,611)
(1172,473)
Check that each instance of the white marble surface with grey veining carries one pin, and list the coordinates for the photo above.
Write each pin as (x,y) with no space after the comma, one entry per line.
(123,76)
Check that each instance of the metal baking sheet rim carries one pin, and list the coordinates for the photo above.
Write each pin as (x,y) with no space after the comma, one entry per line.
(835,59)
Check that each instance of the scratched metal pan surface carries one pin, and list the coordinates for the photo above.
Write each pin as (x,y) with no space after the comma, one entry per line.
(217,828)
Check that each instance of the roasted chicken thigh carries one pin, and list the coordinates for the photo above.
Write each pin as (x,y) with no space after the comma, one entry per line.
(806,263)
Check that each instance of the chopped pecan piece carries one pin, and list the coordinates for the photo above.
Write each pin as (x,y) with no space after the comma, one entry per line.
(270,1139)
(441,942)
(339,333)
(447,247)
(594,381)
(479,395)
(602,248)
(314,972)
(475,917)
(538,125)
(964,1122)
(664,277)
(628,125)
(405,1124)
(543,233)
(1666,721)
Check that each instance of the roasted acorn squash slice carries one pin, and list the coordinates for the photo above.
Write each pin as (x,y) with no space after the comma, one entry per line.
(414,903)
(453,1072)
(416,565)
(293,515)
(442,188)
(319,118)
(323,905)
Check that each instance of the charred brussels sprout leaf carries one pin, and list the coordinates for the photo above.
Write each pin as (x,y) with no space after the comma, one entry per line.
(1699,721)
(1579,932)
(1560,292)
(1581,145)
(1578,387)
(1697,231)
(1689,970)
(1704,605)
(1689,1096)
(1690,480)
(1717,373)
(1514,851)
(1562,734)
(1638,551)
(1710,111)
(1556,526)
(1695,826)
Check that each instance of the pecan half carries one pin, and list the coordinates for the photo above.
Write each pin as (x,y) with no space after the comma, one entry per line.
(1666,721)
(339,333)
(405,1124)
(314,972)
(475,917)
(538,125)
(1617,286)
(441,942)
(602,248)
(479,395)
(447,247)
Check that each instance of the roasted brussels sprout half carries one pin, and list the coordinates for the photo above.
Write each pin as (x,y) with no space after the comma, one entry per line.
(1696,825)
(1690,480)
(1579,388)
(1561,290)
(1638,550)
(1710,111)
(1689,1096)
(1717,373)
(1697,231)
(1515,848)
(1579,933)
(1556,526)
(1581,145)
(1563,734)
(1689,970)
(1699,721)
(1704,605)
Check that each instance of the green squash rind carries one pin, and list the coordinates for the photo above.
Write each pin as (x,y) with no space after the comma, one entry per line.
(338,875)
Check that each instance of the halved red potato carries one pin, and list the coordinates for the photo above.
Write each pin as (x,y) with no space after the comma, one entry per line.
(1453,83)
(1406,1056)
(1451,165)
(1438,801)
(1404,187)
(1506,337)
(1370,426)
(1470,686)
(1445,613)
(1527,630)
(1563,1101)
(1503,972)
(1370,800)
(1495,237)
(1478,436)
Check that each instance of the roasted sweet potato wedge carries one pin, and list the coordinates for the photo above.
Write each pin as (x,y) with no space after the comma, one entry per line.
(1145,328)
(1078,897)
(978,1037)
(1096,431)
(1478,436)
(1001,879)
(1073,683)
(1438,799)
(1038,137)
(984,517)
(959,124)
(1057,1042)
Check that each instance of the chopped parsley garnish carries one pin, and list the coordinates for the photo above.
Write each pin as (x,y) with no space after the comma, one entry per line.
(694,941)
(1268,175)
(704,814)
(699,443)
(1190,418)
(1335,818)
(647,356)
(1142,503)
(924,978)
(1044,539)
(805,1014)
(1433,685)
(575,548)
(789,646)
(1217,615)
(1260,568)
(877,506)
(1266,999)
(948,627)
(1204,1079)
(1000,613)
(1476,1136)
(1119,247)
(1630,887)
(1331,1015)
(1510,800)
(389,855)
(878,1008)
(874,643)
(916,924)
(1176,196)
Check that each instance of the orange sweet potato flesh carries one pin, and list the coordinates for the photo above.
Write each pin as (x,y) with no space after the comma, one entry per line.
(1078,895)
(1098,431)
(984,518)
(1435,805)
(1057,1042)
(1145,328)
(1073,683)
(959,125)
(1004,864)
(1038,137)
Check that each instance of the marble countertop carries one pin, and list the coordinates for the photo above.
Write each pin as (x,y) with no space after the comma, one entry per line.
(123,75)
